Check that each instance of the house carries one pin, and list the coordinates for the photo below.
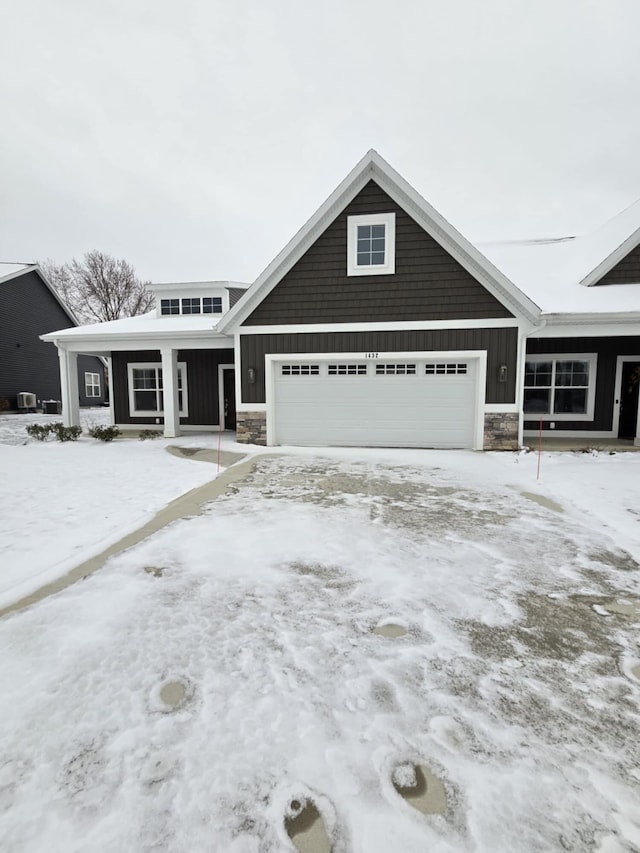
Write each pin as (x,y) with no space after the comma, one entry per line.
(379,324)
(30,307)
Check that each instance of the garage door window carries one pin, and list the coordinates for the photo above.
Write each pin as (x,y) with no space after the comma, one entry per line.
(347,370)
(445,369)
(300,369)
(395,370)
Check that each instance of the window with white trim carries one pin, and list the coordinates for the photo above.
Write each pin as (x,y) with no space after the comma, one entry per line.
(212,305)
(169,306)
(560,387)
(146,395)
(191,305)
(371,244)
(92,384)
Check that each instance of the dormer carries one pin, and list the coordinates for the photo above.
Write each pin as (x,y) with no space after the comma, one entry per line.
(210,298)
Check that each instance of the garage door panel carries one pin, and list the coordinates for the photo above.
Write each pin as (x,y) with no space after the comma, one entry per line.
(403,403)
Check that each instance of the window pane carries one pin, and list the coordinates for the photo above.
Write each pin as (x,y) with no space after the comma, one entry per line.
(570,400)
(364,232)
(364,259)
(572,373)
(537,373)
(377,257)
(377,231)
(145,401)
(377,245)
(536,401)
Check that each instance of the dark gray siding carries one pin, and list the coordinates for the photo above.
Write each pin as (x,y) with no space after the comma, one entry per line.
(234,294)
(500,344)
(608,349)
(428,283)
(202,383)
(27,310)
(626,271)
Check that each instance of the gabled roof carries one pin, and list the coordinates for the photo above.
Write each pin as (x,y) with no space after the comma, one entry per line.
(21,269)
(611,243)
(373,167)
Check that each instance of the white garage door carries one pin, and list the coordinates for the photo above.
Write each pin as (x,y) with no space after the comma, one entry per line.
(381,403)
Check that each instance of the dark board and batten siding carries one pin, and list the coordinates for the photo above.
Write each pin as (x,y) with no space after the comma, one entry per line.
(28,309)
(626,271)
(501,346)
(202,384)
(608,350)
(428,283)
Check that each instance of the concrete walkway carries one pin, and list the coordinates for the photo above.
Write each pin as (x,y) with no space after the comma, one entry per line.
(189,504)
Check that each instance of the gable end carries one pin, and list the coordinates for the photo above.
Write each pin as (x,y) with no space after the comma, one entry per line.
(626,271)
(428,283)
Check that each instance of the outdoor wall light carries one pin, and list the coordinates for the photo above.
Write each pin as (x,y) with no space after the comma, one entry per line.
(251,375)
(502,373)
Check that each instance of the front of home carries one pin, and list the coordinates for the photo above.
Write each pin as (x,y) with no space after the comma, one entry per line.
(380,325)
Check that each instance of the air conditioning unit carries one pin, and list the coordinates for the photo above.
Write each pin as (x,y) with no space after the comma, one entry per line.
(26,401)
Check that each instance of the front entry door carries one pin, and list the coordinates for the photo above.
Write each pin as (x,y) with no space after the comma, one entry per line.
(629,399)
(229,391)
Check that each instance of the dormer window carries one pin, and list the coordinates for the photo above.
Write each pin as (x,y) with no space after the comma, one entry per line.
(169,306)
(371,244)
(191,305)
(212,305)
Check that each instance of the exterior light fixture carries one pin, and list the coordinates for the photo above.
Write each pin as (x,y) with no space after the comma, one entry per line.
(502,373)
(251,375)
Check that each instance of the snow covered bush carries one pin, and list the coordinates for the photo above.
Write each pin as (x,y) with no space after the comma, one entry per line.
(64,433)
(148,433)
(104,433)
(39,431)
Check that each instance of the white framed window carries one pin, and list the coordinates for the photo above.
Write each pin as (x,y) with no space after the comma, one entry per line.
(371,244)
(92,384)
(395,370)
(212,305)
(146,396)
(169,306)
(191,305)
(560,387)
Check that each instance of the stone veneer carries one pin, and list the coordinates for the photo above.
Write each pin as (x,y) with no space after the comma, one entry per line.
(251,428)
(501,431)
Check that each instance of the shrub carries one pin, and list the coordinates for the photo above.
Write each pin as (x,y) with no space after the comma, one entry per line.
(104,433)
(149,433)
(4,405)
(39,431)
(63,433)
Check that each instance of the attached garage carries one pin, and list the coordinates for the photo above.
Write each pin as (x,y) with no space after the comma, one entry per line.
(384,400)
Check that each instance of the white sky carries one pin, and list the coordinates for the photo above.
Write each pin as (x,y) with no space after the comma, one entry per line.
(195,138)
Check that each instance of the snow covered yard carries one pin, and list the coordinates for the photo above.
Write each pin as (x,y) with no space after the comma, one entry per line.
(62,503)
(230,668)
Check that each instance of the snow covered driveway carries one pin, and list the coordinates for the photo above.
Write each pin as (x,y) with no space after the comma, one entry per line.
(181,698)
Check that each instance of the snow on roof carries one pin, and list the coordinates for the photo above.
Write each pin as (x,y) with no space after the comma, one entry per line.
(550,271)
(9,270)
(143,325)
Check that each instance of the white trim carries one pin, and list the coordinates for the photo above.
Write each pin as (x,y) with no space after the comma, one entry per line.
(272,359)
(390,326)
(159,429)
(202,339)
(611,260)
(569,433)
(92,385)
(500,408)
(182,366)
(617,390)
(388,220)
(589,325)
(221,418)
(592,358)
(373,167)
(251,407)
(112,409)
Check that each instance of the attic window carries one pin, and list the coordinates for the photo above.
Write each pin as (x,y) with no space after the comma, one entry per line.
(169,306)
(371,244)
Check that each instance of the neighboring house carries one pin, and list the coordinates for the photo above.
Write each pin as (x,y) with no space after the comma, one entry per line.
(30,307)
(380,325)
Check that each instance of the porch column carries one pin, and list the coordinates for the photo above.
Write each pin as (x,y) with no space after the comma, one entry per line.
(69,387)
(170,392)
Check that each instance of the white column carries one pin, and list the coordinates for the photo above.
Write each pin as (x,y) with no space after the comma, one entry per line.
(69,387)
(112,409)
(170,392)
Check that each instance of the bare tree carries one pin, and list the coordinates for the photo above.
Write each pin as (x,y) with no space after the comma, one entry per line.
(99,287)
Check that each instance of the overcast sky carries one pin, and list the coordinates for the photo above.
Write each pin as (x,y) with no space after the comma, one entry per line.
(194,138)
